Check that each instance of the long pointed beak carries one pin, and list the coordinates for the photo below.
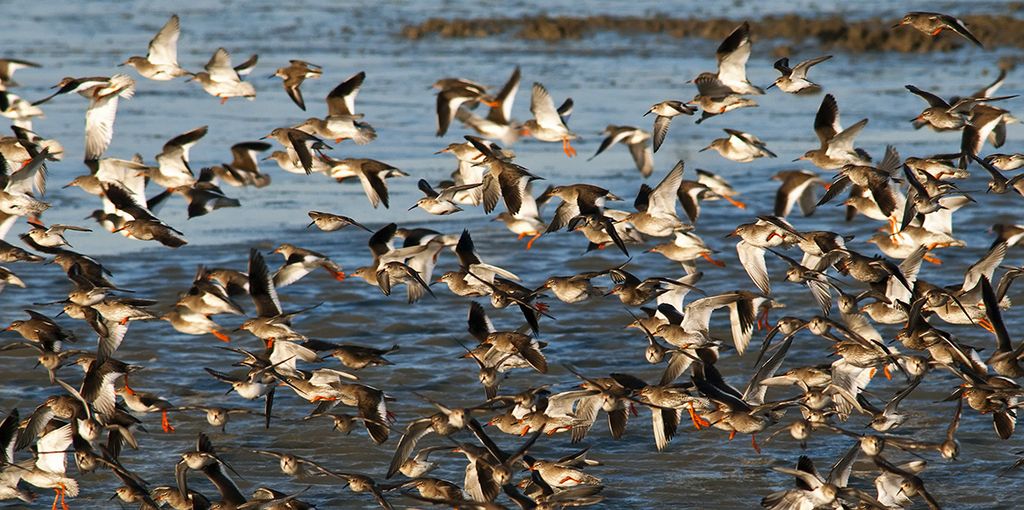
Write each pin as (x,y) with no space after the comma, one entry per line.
(311,224)
(68,185)
(648,112)
(414,206)
(770,86)
(442,151)
(704,149)
(264,137)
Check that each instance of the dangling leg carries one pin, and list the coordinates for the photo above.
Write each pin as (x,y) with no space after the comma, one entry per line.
(529,244)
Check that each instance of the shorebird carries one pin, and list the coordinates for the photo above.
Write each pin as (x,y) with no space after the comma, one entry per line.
(634,138)
(161,62)
(740,147)
(292,77)
(342,122)
(664,112)
(102,93)
(836,143)
(440,203)
(244,169)
(223,81)
(549,124)
(498,123)
(794,79)
(933,23)
(732,57)
(8,66)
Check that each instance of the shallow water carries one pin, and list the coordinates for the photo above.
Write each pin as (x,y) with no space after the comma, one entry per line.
(613,80)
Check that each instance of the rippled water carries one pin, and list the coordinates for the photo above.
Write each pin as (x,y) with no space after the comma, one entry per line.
(613,80)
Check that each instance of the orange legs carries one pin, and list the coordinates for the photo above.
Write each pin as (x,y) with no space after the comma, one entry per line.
(708,258)
(698,421)
(220,336)
(567,148)
(165,423)
(734,202)
(529,244)
(762,320)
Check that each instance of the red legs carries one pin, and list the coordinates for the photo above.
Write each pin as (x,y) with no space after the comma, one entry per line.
(220,336)
(529,244)
(762,320)
(223,100)
(165,423)
(753,442)
(984,322)
(567,148)
(698,422)
(521,236)
(734,202)
(714,261)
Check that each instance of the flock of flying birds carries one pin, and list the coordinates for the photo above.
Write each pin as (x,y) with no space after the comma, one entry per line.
(913,199)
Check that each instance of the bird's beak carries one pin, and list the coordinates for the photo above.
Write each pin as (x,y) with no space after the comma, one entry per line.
(704,149)
(770,86)
(414,206)
(118,229)
(122,64)
(442,151)
(311,224)
(266,158)
(264,137)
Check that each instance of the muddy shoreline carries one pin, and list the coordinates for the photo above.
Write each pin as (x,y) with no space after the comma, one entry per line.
(831,33)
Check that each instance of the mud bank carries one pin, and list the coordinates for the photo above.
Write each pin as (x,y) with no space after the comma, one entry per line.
(834,32)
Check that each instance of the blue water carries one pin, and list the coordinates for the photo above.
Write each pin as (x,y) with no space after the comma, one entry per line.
(613,80)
